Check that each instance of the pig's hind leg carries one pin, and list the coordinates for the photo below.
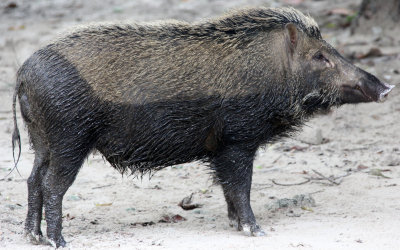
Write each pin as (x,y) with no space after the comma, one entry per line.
(59,177)
(40,166)
(233,168)
(35,196)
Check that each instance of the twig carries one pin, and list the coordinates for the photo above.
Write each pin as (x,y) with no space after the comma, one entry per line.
(262,185)
(326,178)
(322,177)
(277,159)
(345,175)
(291,184)
(316,192)
(103,186)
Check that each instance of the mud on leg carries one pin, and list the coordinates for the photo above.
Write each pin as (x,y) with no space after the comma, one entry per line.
(233,167)
(59,177)
(35,196)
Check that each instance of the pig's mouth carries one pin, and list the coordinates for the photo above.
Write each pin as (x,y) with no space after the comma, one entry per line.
(358,88)
(354,94)
(361,93)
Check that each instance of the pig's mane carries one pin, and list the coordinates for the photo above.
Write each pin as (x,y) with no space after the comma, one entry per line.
(250,20)
(238,26)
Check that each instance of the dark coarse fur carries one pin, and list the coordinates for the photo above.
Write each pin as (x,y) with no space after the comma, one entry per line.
(155,95)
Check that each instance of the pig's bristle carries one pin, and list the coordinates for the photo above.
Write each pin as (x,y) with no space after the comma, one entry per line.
(267,19)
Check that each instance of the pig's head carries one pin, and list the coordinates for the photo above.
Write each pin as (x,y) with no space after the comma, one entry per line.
(318,65)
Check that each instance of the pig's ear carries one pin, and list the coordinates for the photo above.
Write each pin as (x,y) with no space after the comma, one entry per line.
(291,36)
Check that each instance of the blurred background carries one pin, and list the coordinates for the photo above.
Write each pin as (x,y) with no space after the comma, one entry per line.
(356,147)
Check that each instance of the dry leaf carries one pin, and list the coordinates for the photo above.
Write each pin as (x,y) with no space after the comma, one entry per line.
(340,11)
(186,203)
(174,219)
(103,204)
(378,172)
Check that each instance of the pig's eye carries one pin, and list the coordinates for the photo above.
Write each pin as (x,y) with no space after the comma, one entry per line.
(320,57)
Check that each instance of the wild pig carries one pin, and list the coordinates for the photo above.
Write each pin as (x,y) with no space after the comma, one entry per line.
(154,95)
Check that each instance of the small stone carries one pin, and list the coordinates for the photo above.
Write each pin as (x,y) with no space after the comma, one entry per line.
(311,135)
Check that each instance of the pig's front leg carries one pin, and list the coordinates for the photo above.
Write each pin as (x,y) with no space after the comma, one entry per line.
(233,168)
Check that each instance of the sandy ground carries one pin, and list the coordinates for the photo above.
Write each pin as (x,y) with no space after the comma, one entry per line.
(104,210)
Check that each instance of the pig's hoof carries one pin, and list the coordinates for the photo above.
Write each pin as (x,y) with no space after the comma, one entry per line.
(252,230)
(234,223)
(34,238)
(60,242)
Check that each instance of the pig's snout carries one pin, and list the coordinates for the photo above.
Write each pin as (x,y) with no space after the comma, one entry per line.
(371,88)
(365,90)
(385,92)
(375,90)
